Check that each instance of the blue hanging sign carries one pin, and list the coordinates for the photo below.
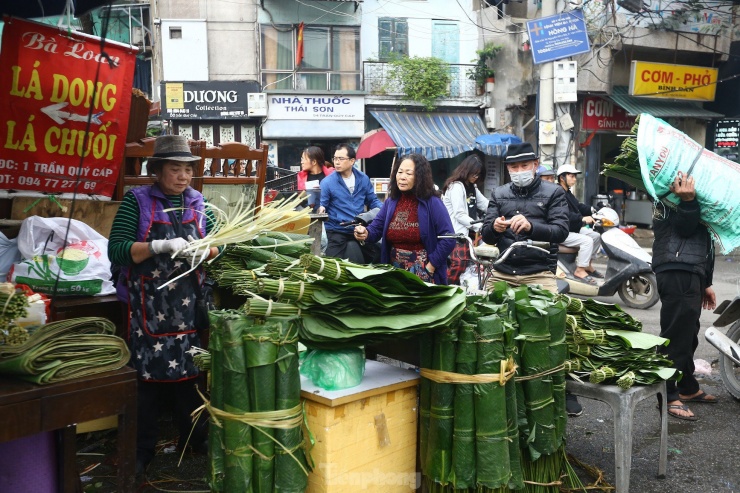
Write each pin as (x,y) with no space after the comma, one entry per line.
(558,36)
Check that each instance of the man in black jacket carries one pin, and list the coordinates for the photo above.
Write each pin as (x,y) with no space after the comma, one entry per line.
(586,240)
(683,261)
(526,209)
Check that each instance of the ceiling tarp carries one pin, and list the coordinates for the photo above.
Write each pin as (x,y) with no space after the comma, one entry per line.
(660,108)
(434,135)
(46,8)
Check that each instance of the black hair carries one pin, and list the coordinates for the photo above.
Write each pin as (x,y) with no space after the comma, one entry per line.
(423,181)
(314,153)
(350,150)
(470,166)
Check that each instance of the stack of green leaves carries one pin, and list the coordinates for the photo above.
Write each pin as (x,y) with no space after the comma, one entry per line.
(626,165)
(256,441)
(230,266)
(65,350)
(600,315)
(606,346)
(375,304)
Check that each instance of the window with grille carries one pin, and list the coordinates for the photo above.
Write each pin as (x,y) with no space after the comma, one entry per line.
(331,58)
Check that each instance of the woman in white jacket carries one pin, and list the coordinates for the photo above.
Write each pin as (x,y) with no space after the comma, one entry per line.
(463,201)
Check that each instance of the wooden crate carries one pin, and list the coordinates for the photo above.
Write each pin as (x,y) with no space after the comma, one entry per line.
(366,435)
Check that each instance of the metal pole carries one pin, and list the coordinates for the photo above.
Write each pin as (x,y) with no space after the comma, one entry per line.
(546,100)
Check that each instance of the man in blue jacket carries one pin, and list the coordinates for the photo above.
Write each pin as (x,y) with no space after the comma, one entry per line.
(344,195)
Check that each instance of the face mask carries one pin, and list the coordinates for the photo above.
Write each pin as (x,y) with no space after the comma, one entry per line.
(522,179)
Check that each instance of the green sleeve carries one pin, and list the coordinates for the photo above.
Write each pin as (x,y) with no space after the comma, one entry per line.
(123,231)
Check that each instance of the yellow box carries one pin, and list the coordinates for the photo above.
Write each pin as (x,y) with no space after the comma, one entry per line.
(365,435)
(299,225)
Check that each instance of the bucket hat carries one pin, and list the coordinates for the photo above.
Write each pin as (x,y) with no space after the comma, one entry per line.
(517,153)
(545,171)
(172,148)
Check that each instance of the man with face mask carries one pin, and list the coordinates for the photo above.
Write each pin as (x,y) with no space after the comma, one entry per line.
(526,209)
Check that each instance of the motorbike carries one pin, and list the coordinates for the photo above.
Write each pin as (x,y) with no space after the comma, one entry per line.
(485,257)
(729,360)
(628,273)
(357,251)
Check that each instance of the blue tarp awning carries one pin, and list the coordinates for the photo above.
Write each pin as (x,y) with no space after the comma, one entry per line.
(495,144)
(434,135)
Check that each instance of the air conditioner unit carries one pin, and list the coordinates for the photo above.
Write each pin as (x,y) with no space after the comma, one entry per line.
(491,119)
(256,104)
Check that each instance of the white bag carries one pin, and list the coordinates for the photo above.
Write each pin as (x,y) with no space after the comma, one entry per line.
(82,266)
(9,255)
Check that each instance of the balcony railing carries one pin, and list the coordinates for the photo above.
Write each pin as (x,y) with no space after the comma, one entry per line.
(377,80)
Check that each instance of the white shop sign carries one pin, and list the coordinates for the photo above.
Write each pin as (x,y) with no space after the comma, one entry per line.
(315,107)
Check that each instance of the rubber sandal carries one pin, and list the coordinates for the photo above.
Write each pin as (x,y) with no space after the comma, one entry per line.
(586,280)
(702,398)
(681,407)
(596,274)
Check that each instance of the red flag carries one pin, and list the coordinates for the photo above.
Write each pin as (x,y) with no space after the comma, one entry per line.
(299,46)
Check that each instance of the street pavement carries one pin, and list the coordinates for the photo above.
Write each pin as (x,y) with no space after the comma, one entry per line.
(702,455)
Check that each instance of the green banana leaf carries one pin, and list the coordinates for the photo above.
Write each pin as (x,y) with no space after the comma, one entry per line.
(463,473)
(493,466)
(439,448)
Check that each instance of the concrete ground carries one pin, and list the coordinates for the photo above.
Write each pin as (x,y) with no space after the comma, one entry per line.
(702,454)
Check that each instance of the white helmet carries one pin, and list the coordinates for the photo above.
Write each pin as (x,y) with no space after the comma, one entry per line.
(608,217)
(567,168)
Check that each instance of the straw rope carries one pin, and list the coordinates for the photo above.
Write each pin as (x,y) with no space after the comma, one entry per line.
(507,372)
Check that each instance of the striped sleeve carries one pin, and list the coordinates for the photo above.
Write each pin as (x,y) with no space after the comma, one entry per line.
(123,231)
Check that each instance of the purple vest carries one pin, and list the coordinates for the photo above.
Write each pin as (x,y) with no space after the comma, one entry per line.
(161,332)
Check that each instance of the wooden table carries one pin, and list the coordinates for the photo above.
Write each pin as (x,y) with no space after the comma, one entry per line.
(27,409)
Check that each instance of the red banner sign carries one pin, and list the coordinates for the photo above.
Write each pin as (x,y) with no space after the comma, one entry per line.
(51,83)
(602,114)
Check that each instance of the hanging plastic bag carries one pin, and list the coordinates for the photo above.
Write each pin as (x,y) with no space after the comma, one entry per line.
(334,370)
(81,265)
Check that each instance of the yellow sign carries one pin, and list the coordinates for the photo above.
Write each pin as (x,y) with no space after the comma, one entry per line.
(664,80)
(174,94)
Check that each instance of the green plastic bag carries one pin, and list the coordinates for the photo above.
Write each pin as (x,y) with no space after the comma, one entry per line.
(664,151)
(334,370)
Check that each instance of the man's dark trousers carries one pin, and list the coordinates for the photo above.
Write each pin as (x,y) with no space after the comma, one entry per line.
(681,295)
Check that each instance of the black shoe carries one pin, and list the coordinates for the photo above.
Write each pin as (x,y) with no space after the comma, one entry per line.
(572,406)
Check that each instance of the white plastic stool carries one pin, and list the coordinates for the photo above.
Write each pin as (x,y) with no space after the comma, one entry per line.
(623,404)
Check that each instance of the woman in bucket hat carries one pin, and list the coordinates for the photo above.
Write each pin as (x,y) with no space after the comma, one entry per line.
(161,332)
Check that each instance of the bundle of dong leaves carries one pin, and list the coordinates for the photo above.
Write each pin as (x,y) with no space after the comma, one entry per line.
(255,436)
(65,350)
(492,397)
(606,345)
(341,304)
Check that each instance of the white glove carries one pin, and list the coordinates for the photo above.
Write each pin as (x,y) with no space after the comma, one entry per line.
(476,227)
(168,246)
(199,254)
